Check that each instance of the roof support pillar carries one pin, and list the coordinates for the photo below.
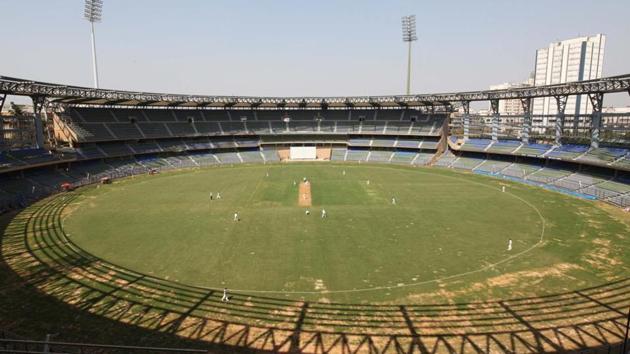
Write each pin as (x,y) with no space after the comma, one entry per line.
(561,102)
(597,99)
(466,106)
(38,105)
(527,119)
(494,105)
(3,98)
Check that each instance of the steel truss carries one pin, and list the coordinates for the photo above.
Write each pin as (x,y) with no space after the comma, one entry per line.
(90,96)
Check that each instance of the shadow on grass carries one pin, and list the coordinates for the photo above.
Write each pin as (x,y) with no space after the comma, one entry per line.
(53,286)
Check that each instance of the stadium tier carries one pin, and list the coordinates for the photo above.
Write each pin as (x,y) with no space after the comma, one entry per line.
(594,182)
(180,138)
(93,125)
(614,157)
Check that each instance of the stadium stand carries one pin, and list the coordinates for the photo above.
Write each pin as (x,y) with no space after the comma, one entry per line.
(338,154)
(423,158)
(125,131)
(356,155)
(475,145)
(446,160)
(604,155)
(251,156)
(379,156)
(403,157)
(207,128)
(119,141)
(116,149)
(270,155)
(383,142)
(568,152)
(532,149)
(504,146)
(603,184)
(408,143)
(492,166)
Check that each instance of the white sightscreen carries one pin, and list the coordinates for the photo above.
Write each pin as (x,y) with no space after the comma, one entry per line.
(302,152)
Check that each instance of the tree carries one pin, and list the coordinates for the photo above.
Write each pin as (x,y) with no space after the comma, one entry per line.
(15,109)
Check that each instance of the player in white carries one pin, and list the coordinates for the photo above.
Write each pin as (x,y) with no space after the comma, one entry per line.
(324,213)
(211,195)
(344,172)
(225,297)
(393,201)
(236,216)
(368,182)
(307,212)
(509,245)
(503,189)
(218,195)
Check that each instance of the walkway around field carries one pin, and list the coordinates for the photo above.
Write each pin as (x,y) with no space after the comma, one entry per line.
(35,246)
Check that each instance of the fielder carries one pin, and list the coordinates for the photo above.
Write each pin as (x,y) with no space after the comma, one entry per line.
(307,212)
(236,218)
(225,297)
(324,213)
(218,195)
(509,245)
(503,189)
(211,195)
(393,201)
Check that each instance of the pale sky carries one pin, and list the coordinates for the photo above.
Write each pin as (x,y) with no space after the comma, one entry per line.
(299,47)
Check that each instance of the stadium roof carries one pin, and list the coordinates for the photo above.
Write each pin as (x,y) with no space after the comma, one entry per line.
(67,94)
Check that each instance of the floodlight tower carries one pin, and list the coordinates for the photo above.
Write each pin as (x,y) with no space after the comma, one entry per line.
(409,35)
(92,13)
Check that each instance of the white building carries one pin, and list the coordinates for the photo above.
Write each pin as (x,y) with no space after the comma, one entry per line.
(618,110)
(570,60)
(511,107)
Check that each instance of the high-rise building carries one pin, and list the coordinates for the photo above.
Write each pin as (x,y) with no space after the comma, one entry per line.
(574,59)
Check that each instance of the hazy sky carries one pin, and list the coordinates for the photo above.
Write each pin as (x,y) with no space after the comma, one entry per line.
(298,47)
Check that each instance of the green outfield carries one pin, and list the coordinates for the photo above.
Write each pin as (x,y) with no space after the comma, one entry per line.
(444,240)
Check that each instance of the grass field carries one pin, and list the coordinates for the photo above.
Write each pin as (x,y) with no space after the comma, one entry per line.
(445,239)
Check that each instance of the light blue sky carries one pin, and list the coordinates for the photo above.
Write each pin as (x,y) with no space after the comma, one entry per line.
(296,47)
